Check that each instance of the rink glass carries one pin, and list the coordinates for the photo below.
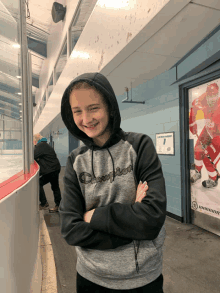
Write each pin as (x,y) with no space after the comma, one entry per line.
(15,117)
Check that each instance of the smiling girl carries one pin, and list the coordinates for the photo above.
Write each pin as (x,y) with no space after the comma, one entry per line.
(117,230)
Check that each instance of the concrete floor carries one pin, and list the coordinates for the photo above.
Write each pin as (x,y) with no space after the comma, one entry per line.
(191,256)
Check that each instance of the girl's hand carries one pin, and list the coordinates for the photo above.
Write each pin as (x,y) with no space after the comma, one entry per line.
(88,216)
(141,191)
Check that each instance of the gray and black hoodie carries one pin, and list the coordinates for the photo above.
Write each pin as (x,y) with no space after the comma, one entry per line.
(121,248)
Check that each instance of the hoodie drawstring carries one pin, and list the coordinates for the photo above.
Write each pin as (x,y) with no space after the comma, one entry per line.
(135,251)
(92,162)
(112,163)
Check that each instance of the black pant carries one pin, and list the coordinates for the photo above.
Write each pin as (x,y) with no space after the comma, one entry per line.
(53,178)
(85,286)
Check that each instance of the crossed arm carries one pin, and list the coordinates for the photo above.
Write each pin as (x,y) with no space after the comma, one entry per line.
(141,193)
(116,224)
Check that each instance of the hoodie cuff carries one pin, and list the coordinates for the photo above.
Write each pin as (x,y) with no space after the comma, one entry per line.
(99,220)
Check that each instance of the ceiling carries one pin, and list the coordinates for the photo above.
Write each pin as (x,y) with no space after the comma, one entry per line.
(155,47)
(168,45)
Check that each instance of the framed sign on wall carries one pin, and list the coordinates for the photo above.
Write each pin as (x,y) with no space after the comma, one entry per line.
(165,143)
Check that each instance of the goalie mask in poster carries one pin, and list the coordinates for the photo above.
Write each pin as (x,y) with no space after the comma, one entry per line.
(204,129)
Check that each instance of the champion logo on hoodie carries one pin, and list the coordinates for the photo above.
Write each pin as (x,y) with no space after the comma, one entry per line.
(87,178)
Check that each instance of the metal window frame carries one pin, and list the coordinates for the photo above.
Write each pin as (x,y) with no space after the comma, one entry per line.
(184,139)
(72,23)
(57,61)
(27,99)
(48,84)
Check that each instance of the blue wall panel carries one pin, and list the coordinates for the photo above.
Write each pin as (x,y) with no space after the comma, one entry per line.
(73,142)
(159,114)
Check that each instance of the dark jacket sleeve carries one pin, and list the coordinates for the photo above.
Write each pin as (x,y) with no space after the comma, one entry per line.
(38,152)
(139,221)
(73,227)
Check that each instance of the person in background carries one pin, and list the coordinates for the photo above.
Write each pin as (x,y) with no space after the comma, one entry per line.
(117,229)
(50,167)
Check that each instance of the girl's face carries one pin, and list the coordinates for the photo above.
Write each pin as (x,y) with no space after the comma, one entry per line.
(90,114)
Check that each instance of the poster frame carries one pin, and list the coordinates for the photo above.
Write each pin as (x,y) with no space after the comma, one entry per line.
(184,137)
(161,133)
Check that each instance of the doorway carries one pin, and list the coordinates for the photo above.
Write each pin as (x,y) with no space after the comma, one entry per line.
(200,123)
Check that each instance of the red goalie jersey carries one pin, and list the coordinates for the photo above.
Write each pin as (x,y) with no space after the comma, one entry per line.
(209,103)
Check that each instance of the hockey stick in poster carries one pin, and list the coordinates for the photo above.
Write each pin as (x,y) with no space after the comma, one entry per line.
(207,155)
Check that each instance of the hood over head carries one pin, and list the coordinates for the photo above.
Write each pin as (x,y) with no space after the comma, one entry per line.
(101,83)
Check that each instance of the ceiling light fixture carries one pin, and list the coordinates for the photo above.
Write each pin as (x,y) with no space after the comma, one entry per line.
(16,46)
(80,54)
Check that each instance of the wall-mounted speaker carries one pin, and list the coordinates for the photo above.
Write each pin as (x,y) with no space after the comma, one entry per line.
(58,12)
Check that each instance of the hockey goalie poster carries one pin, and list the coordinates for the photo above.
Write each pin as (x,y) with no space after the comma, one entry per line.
(204,129)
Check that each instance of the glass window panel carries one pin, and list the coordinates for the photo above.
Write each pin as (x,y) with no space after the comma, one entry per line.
(75,30)
(50,86)
(16,135)
(11,155)
(75,34)
(43,102)
(61,62)
(80,21)
(7,135)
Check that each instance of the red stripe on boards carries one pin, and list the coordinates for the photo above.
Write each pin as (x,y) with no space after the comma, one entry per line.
(16,181)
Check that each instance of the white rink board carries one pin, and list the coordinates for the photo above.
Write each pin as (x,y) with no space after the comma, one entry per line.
(19,238)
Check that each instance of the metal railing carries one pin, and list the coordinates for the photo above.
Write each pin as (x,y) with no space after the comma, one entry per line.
(27,100)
